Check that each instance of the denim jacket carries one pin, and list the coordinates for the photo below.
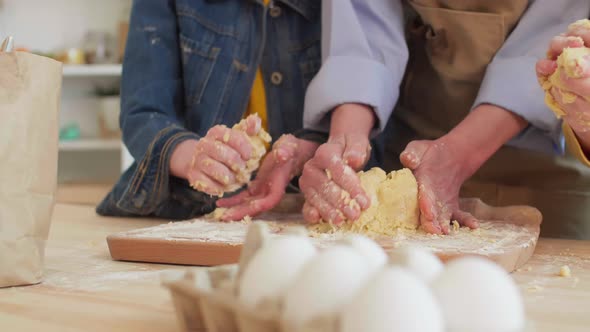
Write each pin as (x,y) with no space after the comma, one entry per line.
(189,65)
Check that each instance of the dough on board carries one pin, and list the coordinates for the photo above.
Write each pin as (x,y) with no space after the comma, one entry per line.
(394,204)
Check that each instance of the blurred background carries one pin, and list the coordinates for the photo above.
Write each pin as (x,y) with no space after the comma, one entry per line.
(88,36)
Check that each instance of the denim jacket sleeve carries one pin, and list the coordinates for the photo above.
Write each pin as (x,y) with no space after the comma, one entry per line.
(151,89)
(152,103)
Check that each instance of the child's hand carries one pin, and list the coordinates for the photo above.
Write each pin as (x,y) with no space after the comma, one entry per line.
(213,162)
(278,168)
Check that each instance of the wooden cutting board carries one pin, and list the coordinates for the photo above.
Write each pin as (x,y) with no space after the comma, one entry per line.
(507,235)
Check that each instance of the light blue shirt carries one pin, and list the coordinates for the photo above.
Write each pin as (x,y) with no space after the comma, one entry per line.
(365,54)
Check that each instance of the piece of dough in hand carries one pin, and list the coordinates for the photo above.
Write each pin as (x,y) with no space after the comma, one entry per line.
(570,65)
(394,204)
(259,143)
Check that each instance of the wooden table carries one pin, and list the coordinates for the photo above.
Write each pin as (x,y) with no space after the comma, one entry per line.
(84,290)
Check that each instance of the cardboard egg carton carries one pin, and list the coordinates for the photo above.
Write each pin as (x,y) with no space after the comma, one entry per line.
(206,299)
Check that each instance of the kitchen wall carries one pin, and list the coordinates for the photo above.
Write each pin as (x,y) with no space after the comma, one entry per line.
(52,25)
(46,25)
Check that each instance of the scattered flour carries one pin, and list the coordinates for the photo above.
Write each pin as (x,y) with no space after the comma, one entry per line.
(490,238)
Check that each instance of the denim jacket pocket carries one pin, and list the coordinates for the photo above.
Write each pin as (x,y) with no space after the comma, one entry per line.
(198,59)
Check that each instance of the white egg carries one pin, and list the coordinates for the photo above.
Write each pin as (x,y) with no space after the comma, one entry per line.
(326,283)
(395,300)
(273,268)
(419,261)
(478,295)
(373,253)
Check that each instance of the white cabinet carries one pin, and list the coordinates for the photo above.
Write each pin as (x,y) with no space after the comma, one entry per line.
(91,157)
(89,71)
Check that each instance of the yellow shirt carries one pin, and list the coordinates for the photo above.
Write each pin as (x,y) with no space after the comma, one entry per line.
(573,145)
(257,104)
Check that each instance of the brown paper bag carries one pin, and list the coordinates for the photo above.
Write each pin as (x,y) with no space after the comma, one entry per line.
(30,89)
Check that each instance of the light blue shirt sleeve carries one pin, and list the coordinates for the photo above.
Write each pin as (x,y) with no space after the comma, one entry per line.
(364,56)
(510,81)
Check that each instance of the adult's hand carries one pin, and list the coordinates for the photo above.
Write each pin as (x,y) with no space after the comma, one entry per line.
(441,166)
(573,96)
(438,169)
(332,189)
(278,168)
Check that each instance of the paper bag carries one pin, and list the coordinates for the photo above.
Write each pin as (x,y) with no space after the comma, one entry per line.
(30,89)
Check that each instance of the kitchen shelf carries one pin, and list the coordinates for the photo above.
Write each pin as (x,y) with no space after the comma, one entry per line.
(113,70)
(95,144)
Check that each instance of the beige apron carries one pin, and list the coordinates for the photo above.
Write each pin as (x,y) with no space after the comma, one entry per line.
(451,42)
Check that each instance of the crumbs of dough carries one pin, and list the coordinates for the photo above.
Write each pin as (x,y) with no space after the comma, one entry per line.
(527,269)
(565,271)
(534,288)
(216,214)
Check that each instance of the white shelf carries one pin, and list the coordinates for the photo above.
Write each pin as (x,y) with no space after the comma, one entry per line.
(113,70)
(95,144)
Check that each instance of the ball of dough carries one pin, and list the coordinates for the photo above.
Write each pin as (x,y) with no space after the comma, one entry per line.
(477,295)
(394,204)
(326,283)
(273,268)
(421,262)
(395,300)
(373,254)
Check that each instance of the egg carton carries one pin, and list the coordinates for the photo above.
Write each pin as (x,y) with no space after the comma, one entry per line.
(205,299)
